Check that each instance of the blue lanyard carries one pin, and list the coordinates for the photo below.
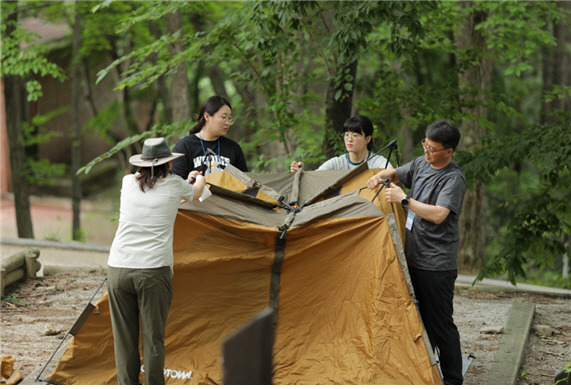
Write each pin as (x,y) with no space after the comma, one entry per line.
(204,150)
(425,185)
(427,182)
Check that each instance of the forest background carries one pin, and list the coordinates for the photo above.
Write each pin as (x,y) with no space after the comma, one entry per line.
(295,71)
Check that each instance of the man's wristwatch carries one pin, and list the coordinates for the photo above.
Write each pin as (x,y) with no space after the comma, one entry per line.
(404,202)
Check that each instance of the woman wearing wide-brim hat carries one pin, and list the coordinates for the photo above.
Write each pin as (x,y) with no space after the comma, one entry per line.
(141,260)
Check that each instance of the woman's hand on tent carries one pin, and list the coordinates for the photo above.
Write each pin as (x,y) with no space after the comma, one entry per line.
(192,176)
(294,167)
(198,185)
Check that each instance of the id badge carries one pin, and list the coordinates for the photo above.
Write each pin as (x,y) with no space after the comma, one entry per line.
(409,220)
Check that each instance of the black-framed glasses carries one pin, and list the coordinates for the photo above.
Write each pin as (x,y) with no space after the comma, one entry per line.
(429,149)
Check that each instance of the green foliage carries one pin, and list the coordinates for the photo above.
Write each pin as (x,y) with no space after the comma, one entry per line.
(41,172)
(546,276)
(13,298)
(540,213)
(105,119)
(22,56)
(53,235)
(143,72)
(270,38)
(159,130)
(283,55)
(563,377)
(32,137)
(515,30)
(79,236)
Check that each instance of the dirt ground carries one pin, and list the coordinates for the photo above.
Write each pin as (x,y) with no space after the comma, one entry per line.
(38,313)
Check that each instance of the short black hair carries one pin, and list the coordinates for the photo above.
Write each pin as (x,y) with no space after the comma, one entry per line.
(444,132)
(361,125)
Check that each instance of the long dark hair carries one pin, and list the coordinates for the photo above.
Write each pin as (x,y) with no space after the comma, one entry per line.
(146,177)
(211,105)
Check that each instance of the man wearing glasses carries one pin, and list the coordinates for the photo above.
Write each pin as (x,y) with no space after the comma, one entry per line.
(437,186)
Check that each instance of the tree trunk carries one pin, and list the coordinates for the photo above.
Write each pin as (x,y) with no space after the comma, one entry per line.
(407,134)
(337,110)
(557,71)
(557,65)
(76,145)
(472,251)
(179,80)
(565,259)
(130,122)
(247,124)
(162,86)
(406,153)
(14,99)
(217,81)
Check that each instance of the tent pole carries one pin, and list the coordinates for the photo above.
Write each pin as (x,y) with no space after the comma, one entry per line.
(393,146)
(393,229)
(74,328)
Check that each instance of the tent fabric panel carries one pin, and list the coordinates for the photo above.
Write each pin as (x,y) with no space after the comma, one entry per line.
(248,198)
(234,209)
(90,357)
(312,183)
(356,314)
(225,180)
(360,182)
(343,206)
(234,179)
(210,301)
(280,182)
(222,279)
(330,190)
(318,183)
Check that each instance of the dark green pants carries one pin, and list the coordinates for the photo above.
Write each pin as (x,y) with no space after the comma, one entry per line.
(144,294)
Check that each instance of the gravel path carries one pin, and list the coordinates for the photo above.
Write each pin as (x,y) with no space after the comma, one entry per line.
(39,312)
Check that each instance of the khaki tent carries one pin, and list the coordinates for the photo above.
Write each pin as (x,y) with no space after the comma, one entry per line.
(314,246)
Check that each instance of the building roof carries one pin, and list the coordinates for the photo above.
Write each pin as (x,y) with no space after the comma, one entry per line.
(48,31)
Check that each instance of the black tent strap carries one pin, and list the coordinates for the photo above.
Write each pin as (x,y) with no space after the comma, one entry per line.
(382,183)
(279,256)
(289,207)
